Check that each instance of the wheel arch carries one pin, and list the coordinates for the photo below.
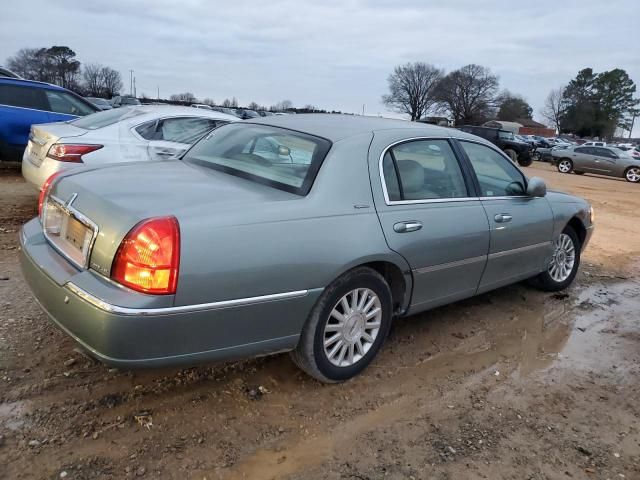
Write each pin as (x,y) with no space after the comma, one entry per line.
(577,225)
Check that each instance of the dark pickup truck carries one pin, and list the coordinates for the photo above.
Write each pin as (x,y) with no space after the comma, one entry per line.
(520,152)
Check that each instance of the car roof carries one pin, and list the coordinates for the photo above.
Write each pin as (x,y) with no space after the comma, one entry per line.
(156,111)
(336,127)
(28,83)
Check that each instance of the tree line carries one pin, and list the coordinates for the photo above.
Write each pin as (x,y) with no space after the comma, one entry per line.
(59,65)
(594,104)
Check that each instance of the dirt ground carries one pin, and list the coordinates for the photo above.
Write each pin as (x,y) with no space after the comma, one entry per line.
(514,384)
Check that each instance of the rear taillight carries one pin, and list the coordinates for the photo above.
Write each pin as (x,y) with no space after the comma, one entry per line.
(44,191)
(148,258)
(70,153)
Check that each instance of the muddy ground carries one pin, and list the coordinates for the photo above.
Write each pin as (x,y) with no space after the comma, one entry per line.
(514,384)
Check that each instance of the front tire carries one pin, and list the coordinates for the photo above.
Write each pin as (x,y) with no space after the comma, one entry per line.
(565,165)
(564,264)
(346,327)
(632,174)
(512,155)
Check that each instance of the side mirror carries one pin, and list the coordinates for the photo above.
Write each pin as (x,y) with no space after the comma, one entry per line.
(284,151)
(536,187)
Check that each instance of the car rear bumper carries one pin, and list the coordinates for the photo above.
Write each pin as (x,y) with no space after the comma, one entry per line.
(126,329)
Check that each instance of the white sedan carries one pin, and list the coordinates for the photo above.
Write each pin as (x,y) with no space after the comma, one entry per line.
(129,134)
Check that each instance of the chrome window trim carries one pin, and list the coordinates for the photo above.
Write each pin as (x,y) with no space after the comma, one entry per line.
(238,302)
(444,266)
(79,216)
(423,201)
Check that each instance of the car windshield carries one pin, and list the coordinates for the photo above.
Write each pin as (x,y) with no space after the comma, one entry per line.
(105,118)
(130,101)
(504,135)
(273,156)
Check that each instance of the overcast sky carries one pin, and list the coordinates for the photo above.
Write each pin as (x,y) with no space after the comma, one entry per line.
(331,54)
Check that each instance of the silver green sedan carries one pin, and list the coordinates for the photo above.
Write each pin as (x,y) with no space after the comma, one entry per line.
(301,233)
(609,161)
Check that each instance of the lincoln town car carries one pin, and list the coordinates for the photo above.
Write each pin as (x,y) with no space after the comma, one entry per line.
(300,233)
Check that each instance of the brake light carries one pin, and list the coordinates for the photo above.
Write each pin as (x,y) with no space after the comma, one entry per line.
(44,191)
(70,153)
(148,258)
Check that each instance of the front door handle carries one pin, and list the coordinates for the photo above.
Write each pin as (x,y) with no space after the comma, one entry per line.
(404,227)
(502,218)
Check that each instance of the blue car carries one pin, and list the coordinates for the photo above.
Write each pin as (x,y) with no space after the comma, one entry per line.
(24,103)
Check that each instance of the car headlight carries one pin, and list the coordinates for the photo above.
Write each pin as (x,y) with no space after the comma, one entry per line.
(592,215)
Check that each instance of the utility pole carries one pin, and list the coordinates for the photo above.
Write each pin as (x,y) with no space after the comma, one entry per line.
(158,92)
(134,87)
(363,109)
(130,82)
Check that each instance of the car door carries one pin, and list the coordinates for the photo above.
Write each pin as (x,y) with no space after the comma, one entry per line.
(20,107)
(521,227)
(583,159)
(430,215)
(605,160)
(171,137)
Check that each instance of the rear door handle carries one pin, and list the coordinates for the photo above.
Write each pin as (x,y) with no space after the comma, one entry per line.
(502,218)
(404,227)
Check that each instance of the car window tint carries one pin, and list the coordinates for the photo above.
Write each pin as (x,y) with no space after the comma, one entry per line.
(581,150)
(391,178)
(604,152)
(498,177)
(273,156)
(25,97)
(62,102)
(428,169)
(184,130)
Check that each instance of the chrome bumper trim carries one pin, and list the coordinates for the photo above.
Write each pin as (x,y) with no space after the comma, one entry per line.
(239,302)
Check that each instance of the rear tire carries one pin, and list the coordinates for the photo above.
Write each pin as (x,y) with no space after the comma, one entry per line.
(337,321)
(565,165)
(512,155)
(632,174)
(564,264)
(525,162)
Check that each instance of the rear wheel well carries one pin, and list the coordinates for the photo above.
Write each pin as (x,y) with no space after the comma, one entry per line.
(579,228)
(394,278)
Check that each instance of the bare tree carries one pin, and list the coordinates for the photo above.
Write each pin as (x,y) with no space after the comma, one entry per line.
(93,79)
(186,97)
(281,106)
(254,106)
(552,110)
(412,89)
(209,101)
(111,82)
(468,94)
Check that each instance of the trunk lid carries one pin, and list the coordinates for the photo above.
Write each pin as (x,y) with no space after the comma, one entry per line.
(118,196)
(42,136)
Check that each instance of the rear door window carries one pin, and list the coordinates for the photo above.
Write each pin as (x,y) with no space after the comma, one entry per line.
(23,96)
(423,170)
(180,130)
(63,102)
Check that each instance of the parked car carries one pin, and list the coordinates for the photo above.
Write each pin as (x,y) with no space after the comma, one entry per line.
(128,134)
(228,111)
(201,105)
(601,160)
(245,114)
(5,72)
(101,103)
(124,101)
(517,151)
(594,144)
(24,103)
(546,154)
(227,253)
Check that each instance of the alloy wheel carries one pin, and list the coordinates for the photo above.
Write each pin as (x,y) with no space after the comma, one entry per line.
(352,327)
(564,166)
(633,174)
(564,258)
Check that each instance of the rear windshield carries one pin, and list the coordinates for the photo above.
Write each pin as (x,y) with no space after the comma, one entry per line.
(105,118)
(273,156)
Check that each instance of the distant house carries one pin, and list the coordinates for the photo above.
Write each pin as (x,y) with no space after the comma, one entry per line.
(523,126)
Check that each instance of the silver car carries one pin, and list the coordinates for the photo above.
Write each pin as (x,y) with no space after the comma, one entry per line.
(127,134)
(609,161)
(301,233)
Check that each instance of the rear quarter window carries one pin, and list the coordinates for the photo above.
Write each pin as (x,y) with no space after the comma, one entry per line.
(23,96)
